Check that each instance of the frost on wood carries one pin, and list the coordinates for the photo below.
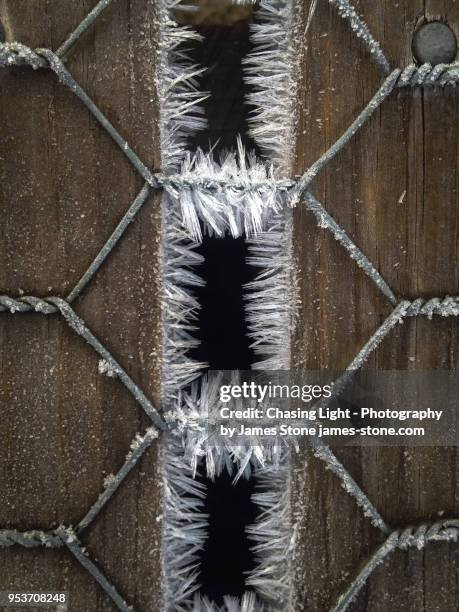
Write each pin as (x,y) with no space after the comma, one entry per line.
(180,116)
(273,537)
(248,603)
(177,83)
(230,209)
(271,299)
(179,306)
(271,71)
(184,525)
(195,414)
(184,528)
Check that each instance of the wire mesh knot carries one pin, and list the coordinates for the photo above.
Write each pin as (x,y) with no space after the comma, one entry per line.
(17,54)
(425,75)
(419,536)
(444,307)
(30,539)
(27,303)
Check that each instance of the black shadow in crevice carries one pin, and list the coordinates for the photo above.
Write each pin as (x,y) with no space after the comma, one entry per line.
(226,557)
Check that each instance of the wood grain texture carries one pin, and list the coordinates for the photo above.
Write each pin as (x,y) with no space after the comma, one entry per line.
(65,185)
(394,189)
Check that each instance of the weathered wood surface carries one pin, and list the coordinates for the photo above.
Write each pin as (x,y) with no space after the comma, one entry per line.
(65,185)
(394,190)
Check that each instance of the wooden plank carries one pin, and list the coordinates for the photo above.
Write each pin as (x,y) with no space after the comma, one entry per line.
(65,185)
(394,190)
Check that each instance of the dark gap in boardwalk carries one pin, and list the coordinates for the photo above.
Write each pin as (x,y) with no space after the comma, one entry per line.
(223,331)
(226,557)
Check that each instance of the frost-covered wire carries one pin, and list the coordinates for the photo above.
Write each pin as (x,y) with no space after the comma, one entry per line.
(326,221)
(358,25)
(375,102)
(441,531)
(239,210)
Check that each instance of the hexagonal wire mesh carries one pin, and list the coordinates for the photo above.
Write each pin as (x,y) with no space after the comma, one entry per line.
(17,54)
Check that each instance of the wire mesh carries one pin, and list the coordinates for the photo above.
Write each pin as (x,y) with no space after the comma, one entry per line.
(17,54)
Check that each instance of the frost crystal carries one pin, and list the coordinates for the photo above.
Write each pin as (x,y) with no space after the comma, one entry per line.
(105,368)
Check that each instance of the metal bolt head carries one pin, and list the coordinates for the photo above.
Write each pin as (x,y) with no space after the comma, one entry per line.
(434,43)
